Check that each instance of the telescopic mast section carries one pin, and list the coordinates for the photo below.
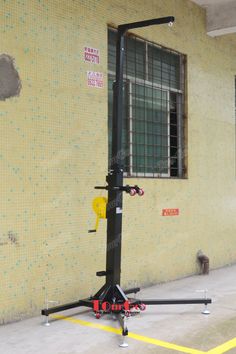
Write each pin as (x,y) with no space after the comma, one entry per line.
(115,175)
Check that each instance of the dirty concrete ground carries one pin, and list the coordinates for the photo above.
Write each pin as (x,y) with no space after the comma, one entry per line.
(183,325)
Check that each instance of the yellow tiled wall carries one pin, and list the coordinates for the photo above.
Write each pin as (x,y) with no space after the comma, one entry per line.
(54,151)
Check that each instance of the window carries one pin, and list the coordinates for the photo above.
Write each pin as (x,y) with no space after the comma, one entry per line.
(153,130)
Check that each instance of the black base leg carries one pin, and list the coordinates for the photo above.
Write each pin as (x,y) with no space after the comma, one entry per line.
(132,291)
(204,301)
(48,311)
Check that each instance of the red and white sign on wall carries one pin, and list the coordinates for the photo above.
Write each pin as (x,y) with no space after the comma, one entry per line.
(91,55)
(170,212)
(95,79)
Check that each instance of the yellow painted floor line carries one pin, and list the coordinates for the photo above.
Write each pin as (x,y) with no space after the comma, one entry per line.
(138,337)
(223,348)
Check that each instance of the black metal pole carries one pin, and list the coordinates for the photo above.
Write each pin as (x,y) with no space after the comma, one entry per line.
(115,175)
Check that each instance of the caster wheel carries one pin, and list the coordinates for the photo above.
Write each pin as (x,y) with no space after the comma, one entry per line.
(141,192)
(132,192)
(142,307)
(127,314)
(97,315)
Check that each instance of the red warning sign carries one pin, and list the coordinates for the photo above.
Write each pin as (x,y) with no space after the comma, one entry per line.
(170,212)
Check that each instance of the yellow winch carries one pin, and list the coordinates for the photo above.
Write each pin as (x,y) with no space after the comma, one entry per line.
(99,207)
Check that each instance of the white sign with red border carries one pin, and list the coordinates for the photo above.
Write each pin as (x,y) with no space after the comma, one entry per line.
(95,79)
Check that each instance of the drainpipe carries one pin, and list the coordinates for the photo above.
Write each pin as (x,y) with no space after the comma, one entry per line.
(204,262)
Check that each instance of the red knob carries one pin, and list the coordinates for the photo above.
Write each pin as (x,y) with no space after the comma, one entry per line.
(141,192)
(132,192)
(142,307)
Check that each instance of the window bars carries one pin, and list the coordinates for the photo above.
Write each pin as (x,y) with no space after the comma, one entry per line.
(153,129)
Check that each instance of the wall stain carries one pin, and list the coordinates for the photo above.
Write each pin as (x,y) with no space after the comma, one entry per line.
(10,83)
(10,238)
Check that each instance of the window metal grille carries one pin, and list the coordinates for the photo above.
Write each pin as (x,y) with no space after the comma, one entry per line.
(153,129)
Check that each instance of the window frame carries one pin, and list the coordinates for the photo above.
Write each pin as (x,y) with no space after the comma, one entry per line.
(181,107)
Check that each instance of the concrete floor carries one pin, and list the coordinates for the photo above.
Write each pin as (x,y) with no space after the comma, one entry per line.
(183,325)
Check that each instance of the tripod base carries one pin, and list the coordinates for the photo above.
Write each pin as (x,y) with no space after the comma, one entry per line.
(113,300)
(108,295)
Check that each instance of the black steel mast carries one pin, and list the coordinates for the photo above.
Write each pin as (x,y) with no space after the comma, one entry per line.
(115,175)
